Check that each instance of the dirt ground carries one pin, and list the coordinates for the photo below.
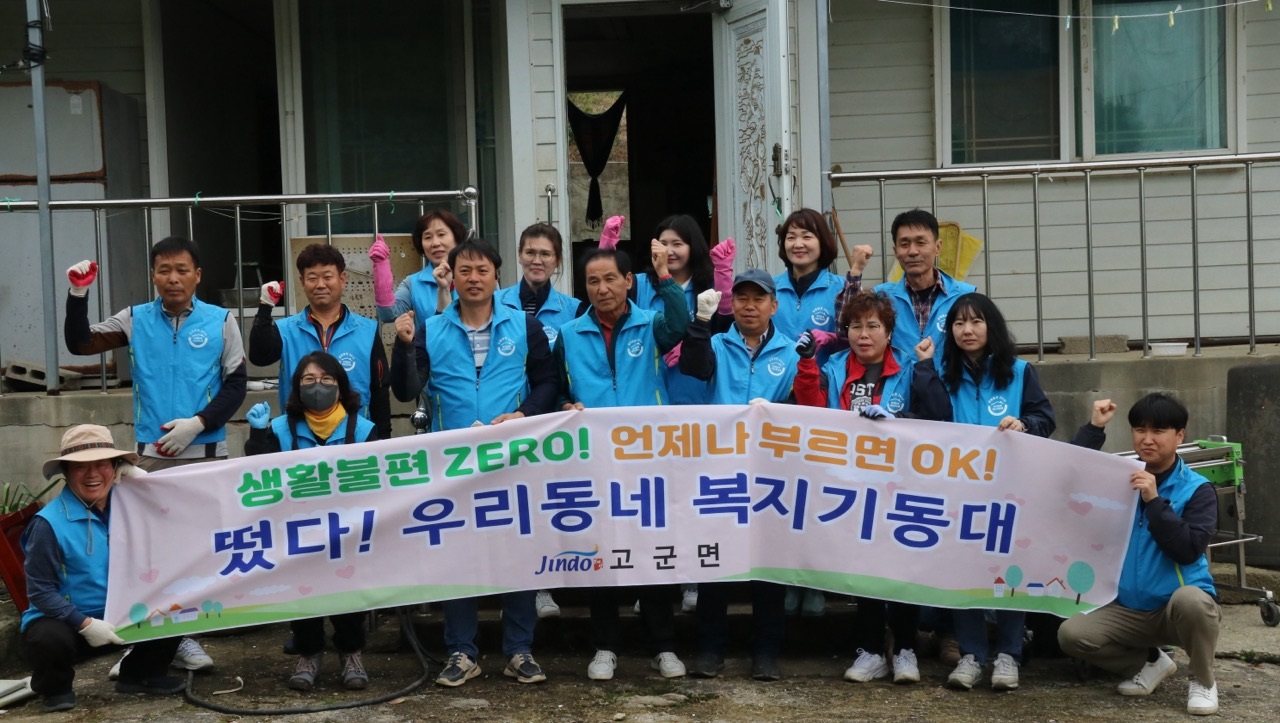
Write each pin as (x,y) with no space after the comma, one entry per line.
(812,688)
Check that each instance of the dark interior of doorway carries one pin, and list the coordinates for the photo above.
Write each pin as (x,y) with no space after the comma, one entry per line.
(664,64)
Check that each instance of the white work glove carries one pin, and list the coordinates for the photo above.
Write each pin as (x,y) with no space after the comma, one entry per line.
(272,293)
(708,303)
(180,434)
(758,400)
(100,633)
(81,277)
(130,470)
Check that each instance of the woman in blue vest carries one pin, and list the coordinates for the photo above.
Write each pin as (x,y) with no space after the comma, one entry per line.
(868,378)
(989,386)
(807,291)
(322,410)
(541,253)
(431,289)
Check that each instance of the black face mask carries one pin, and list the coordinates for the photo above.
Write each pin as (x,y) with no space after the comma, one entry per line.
(316,397)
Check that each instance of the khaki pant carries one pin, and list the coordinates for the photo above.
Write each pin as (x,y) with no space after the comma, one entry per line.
(1117,639)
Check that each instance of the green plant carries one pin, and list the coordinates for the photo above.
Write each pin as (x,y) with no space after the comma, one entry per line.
(16,497)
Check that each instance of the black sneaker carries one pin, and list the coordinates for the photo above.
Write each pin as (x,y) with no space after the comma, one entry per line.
(524,669)
(458,670)
(706,665)
(764,666)
(156,685)
(58,702)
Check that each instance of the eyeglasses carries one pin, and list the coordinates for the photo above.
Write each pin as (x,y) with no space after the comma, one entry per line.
(872,327)
(326,380)
(532,254)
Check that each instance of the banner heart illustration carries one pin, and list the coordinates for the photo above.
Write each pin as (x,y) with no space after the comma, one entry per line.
(345,572)
(1080,508)
(150,575)
(1024,542)
(305,589)
(1061,559)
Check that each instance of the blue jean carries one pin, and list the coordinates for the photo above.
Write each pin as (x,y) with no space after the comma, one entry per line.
(971,633)
(518,618)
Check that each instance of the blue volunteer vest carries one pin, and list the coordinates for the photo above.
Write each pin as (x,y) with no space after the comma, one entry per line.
(559,309)
(175,373)
(739,378)
(637,378)
(815,310)
(986,405)
(906,333)
(351,345)
(423,289)
(82,537)
(1149,577)
(681,388)
(895,394)
(459,396)
(306,439)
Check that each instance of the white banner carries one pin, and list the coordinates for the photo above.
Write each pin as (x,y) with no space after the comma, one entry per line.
(941,514)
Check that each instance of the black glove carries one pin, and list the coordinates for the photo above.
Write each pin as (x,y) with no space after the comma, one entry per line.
(806,345)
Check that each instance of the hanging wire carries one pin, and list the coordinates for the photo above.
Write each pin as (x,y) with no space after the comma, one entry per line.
(1163,14)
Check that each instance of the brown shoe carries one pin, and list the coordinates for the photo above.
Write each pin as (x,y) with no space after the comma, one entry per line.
(949,650)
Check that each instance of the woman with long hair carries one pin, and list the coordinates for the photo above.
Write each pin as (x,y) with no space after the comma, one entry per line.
(322,410)
(989,386)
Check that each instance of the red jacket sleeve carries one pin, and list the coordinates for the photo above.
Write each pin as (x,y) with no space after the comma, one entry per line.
(808,384)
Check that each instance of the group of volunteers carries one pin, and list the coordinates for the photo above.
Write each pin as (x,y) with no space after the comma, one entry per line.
(927,347)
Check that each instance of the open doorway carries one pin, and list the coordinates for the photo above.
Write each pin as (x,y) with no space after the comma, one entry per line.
(663,63)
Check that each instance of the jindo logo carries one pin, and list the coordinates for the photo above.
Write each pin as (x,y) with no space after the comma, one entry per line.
(998,406)
(197,339)
(571,561)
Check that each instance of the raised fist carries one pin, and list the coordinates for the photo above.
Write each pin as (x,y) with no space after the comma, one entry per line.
(272,293)
(81,277)
(609,236)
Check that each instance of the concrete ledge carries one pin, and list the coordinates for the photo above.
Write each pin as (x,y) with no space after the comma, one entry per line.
(1105,344)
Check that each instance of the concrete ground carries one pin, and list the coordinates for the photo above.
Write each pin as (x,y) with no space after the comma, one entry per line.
(1248,671)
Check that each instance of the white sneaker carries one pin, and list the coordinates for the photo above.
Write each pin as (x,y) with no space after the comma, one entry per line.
(1202,700)
(688,598)
(966,674)
(191,656)
(667,665)
(866,667)
(546,605)
(602,665)
(905,668)
(636,607)
(1147,679)
(1004,673)
(114,673)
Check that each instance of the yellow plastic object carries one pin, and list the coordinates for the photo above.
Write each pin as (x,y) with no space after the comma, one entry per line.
(959,249)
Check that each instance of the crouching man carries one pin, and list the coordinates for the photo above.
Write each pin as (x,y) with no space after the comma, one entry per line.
(1166,594)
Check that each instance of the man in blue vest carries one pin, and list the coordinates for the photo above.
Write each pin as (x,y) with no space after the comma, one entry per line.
(188,368)
(483,363)
(326,324)
(612,356)
(1166,594)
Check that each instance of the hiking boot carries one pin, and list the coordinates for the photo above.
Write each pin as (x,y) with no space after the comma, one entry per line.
(354,676)
(524,669)
(905,667)
(458,670)
(1147,679)
(949,650)
(191,656)
(1004,673)
(667,665)
(866,667)
(602,665)
(706,665)
(546,605)
(155,685)
(1202,700)
(58,702)
(305,674)
(764,666)
(966,674)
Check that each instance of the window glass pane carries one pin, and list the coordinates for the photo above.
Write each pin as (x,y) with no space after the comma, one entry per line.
(1004,81)
(377,102)
(1160,88)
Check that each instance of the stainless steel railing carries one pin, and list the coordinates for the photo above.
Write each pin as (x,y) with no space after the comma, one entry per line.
(1137,168)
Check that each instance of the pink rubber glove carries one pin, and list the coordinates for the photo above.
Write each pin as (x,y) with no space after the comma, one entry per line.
(609,236)
(722,255)
(384,292)
(672,358)
(824,337)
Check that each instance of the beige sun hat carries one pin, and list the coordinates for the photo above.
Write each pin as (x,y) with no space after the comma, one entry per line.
(86,443)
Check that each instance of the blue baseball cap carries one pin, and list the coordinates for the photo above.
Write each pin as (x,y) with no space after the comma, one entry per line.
(759,277)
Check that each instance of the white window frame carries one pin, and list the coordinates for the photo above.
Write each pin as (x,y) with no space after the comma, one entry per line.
(1071,67)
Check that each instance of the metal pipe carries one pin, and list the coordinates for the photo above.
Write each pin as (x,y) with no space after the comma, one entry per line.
(296,198)
(933,195)
(1035,215)
(1248,214)
(239,271)
(328,223)
(1142,260)
(986,235)
(375,219)
(191,229)
(550,190)
(102,305)
(35,38)
(1195,258)
(884,257)
(146,238)
(470,194)
(285,252)
(1088,259)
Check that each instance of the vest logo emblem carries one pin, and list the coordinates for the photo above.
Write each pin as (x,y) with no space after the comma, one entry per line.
(197,339)
(820,316)
(776,367)
(997,406)
(895,403)
(552,334)
(942,323)
(506,346)
(347,360)
(635,348)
